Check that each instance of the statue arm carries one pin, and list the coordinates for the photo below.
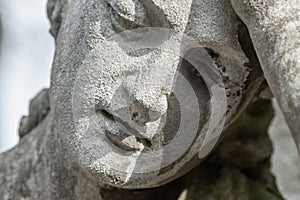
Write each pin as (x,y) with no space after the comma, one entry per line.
(274,28)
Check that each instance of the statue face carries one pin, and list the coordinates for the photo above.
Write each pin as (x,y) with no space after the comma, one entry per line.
(141,90)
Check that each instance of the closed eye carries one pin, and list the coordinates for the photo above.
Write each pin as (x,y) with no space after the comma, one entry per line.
(126,14)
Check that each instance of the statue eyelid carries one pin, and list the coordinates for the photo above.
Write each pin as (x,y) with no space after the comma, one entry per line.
(123,14)
(122,10)
(131,14)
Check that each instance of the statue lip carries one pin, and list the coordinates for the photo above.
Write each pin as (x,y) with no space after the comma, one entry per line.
(129,143)
(129,138)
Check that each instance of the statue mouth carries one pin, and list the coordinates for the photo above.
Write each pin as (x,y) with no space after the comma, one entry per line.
(127,137)
(129,142)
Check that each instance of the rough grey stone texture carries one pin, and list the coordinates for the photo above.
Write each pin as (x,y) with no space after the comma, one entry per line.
(39,107)
(274,27)
(62,156)
(55,10)
(239,168)
(80,42)
(40,167)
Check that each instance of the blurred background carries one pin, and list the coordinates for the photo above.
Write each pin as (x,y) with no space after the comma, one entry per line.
(26,54)
(25,61)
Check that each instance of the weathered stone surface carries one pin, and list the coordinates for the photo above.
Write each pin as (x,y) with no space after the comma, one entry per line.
(274,27)
(85,30)
(98,86)
(55,12)
(40,167)
(39,107)
(239,168)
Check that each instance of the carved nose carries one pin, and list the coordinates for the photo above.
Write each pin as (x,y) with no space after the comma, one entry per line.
(140,104)
(140,118)
(142,114)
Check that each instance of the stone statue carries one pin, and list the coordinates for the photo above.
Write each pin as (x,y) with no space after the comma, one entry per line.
(159,100)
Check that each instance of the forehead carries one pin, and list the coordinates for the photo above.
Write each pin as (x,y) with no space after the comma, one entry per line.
(176,12)
(204,16)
